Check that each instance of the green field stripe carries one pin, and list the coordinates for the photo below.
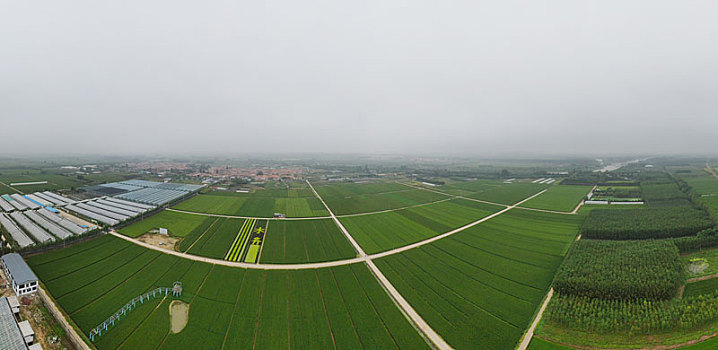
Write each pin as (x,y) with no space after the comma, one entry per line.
(242,240)
(234,243)
(243,243)
(252,253)
(237,241)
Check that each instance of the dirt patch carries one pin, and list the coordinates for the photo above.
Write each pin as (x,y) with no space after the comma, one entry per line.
(159,240)
(179,315)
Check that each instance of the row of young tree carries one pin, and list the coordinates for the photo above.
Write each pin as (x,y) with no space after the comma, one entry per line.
(646,223)
(621,270)
(632,316)
(656,192)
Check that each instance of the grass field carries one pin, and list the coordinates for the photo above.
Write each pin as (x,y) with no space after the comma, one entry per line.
(353,199)
(559,198)
(178,224)
(480,287)
(303,241)
(342,307)
(384,231)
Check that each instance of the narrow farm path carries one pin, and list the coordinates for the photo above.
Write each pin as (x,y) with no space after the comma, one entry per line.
(246,217)
(455,196)
(432,336)
(436,340)
(311,217)
(526,340)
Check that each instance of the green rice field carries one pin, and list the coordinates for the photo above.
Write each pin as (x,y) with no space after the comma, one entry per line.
(384,231)
(301,241)
(352,199)
(256,206)
(342,307)
(482,285)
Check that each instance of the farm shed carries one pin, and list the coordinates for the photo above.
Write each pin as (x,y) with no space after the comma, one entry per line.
(10,336)
(21,276)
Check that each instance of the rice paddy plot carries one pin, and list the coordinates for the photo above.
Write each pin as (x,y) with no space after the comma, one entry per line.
(480,287)
(303,241)
(218,238)
(342,307)
(465,188)
(178,224)
(363,203)
(295,201)
(559,198)
(246,205)
(383,231)
(510,193)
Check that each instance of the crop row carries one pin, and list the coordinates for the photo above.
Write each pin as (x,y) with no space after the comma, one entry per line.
(364,203)
(480,287)
(384,231)
(305,241)
(559,197)
(625,270)
(253,206)
(508,193)
(342,307)
(217,239)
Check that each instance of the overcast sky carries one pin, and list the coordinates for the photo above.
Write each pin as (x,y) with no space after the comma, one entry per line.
(414,76)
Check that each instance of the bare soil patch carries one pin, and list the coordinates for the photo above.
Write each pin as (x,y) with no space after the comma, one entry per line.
(159,240)
(179,315)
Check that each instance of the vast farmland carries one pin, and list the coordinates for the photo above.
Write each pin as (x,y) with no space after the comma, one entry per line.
(479,287)
(341,307)
(384,231)
(482,285)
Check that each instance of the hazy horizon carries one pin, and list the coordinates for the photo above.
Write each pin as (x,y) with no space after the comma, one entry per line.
(379,77)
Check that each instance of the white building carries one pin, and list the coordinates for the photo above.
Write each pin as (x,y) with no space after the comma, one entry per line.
(21,277)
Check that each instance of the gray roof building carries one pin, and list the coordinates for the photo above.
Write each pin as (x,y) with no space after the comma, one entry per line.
(18,269)
(10,336)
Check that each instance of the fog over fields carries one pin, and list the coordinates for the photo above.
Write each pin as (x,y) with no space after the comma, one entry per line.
(460,77)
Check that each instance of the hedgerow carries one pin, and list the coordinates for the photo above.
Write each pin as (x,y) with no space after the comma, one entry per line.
(622,270)
(645,223)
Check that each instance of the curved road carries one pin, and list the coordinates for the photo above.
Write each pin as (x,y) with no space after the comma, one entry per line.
(431,335)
